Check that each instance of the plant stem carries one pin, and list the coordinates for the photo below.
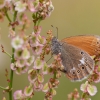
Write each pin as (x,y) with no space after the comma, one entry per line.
(7,16)
(29,98)
(14,18)
(2,88)
(72,97)
(15,15)
(11,76)
(12,61)
(54,75)
(83,95)
(38,22)
(7,54)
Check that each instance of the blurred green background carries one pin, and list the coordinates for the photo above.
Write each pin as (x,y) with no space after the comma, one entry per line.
(72,17)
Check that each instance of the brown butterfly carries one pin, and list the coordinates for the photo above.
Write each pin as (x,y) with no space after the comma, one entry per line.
(76,55)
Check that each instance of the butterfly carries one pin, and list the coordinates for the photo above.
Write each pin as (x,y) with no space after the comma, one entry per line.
(76,52)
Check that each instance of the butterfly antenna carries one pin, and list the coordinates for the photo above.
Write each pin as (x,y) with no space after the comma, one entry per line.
(57,32)
(49,59)
(56,29)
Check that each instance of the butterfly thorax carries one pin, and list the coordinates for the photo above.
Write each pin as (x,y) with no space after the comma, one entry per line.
(55,46)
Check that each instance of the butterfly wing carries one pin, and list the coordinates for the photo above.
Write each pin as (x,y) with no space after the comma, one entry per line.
(88,43)
(77,63)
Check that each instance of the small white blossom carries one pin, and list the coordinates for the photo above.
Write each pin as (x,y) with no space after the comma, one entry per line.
(92,90)
(17,42)
(50,8)
(18,95)
(84,86)
(20,6)
(38,64)
(25,54)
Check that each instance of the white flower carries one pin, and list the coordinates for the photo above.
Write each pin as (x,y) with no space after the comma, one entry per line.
(92,90)
(30,60)
(45,87)
(20,6)
(84,86)
(18,95)
(28,90)
(17,42)
(38,64)
(25,54)
(50,8)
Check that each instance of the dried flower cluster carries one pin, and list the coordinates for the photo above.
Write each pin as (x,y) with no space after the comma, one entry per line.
(74,95)
(22,45)
(40,68)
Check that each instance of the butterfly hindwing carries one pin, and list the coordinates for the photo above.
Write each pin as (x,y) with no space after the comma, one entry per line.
(77,63)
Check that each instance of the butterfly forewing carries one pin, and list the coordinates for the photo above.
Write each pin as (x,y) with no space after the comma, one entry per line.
(88,43)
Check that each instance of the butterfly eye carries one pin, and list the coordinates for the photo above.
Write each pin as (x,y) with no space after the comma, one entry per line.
(82,52)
